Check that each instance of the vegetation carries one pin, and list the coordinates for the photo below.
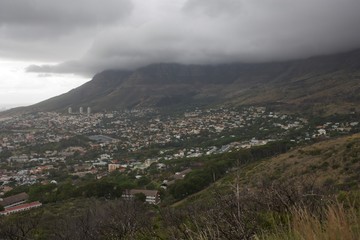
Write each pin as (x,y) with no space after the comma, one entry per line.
(217,167)
(79,141)
(275,191)
(83,219)
(338,222)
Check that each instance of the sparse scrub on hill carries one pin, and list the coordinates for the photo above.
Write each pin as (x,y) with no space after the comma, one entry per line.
(242,213)
(83,220)
(109,220)
(282,204)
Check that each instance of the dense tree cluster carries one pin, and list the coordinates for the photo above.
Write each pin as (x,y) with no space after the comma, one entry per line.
(217,167)
(98,220)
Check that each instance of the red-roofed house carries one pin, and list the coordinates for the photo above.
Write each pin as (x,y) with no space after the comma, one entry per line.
(14,200)
(20,208)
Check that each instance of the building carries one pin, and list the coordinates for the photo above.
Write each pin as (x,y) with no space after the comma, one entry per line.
(177,176)
(113,166)
(88,110)
(14,200)
(70,110)
(20,208)
(152,196)
(322,132)
(81,110)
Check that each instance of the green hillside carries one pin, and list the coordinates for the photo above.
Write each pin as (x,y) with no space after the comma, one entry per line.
(330,165)
(306,192)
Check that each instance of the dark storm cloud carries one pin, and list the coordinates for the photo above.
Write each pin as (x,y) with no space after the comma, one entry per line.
(53,29)
(219,31)
(62,15)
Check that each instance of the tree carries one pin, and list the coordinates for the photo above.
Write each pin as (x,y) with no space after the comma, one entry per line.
(105,220)
(19,227)
(141,197)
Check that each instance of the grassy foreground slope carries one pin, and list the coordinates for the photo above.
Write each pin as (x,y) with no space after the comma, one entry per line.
(309,192)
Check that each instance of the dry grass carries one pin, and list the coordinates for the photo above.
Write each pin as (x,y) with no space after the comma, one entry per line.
(338,223)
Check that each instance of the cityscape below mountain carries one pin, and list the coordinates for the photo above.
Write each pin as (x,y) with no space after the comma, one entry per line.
(172,151)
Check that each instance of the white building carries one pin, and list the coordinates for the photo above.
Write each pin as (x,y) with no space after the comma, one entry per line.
(152,196)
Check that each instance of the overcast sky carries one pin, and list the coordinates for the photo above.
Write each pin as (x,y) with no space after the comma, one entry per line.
(48,47)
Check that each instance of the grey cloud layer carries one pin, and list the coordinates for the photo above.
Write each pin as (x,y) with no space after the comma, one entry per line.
(53,29)
(213,8)
(66,14)
(205,31)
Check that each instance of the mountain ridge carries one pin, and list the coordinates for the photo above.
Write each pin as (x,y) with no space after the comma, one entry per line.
(319,80)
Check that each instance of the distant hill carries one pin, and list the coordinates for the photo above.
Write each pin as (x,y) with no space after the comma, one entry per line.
(326,83)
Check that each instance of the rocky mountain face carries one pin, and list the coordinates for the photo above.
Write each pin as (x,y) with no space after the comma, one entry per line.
(318,82)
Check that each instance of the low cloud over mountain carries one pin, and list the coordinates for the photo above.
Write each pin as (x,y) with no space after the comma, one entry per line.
(89,36)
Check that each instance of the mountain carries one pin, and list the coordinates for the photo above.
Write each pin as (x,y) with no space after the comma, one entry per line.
(324,83)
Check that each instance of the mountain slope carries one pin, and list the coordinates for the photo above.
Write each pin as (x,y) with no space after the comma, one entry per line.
(325,81)
(331,165)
